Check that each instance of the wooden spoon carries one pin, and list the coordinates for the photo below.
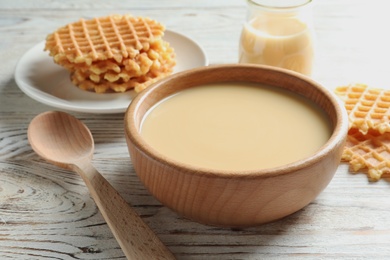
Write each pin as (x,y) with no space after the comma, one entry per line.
(64,141)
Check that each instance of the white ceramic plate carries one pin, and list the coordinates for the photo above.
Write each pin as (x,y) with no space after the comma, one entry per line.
(40,78)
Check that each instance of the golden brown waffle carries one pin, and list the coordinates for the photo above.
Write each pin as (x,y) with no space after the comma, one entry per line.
(367,108)
(370,152)
(114,53)
(102,85)
(135,76)
(112,37)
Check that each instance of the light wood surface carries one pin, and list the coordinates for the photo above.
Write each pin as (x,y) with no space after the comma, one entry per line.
(47,213)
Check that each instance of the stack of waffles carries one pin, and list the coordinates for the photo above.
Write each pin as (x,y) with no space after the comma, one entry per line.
(368,142)
(112,54)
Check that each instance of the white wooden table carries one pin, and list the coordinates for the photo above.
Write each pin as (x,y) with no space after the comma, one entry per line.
(47,213)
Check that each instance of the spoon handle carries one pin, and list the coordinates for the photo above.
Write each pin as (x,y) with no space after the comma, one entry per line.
(136,239)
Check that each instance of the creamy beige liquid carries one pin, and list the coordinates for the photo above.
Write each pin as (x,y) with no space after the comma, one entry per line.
(277,40)
(235,126)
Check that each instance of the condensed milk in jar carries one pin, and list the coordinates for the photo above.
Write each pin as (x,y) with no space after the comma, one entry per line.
(279,33)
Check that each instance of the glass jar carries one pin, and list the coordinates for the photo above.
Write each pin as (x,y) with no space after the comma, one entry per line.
(279,33)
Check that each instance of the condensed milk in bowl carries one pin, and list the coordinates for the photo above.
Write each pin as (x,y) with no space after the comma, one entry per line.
(279,33)
(237,144)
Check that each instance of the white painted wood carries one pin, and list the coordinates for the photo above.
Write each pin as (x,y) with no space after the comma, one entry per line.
(47,213)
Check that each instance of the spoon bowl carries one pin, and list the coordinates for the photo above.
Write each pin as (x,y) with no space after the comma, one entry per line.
(61,139)
(65,141)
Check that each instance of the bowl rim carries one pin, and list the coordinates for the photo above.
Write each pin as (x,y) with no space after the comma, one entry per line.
(338,135)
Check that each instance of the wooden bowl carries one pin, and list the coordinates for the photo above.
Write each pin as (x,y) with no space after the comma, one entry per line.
(235,199)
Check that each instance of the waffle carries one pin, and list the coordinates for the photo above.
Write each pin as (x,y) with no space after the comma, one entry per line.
(367,108)
(101,85)
(112,37)
(137,73)
(112,54)
(370,152)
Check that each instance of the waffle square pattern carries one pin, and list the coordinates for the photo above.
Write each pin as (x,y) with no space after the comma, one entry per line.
(368,142)
(367,108)
(112,54)
(369,152)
